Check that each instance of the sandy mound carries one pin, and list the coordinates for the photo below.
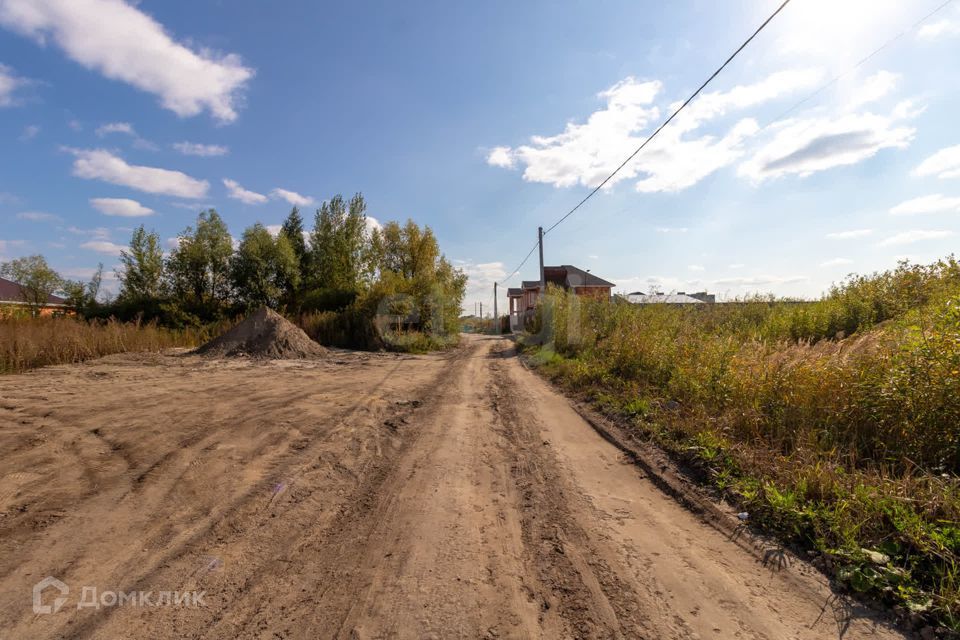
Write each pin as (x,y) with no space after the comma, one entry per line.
(264,334)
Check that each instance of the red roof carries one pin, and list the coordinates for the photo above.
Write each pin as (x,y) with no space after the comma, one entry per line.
(10,292)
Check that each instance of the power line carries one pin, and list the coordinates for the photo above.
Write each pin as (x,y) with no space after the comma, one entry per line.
(672,116)
(520,266)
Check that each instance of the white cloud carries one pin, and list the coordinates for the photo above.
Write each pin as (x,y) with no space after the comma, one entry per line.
(292,197)
(372,223)
(736,265)
(38,216)
(754,281)
(934,30)
(123,207)
(696,267)
(916,235)
(100,164)
(9,84)
(945,163)
(672,229)
(115,127)
(480,279)
(934,203)
(103,246)
(123,43)
(874,87)
(245,196)
(99,233)
(836,262)
(7,245)
(587,153)
(30,132)
(75,125)
(202,150)
(500,157)
(806,146)
(848,235)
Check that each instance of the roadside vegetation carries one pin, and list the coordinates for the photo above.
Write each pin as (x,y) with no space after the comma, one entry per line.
(28,343)
(347,282)
(834,424)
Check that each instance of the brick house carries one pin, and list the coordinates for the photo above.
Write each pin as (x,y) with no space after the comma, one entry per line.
(11,299)
(523,299)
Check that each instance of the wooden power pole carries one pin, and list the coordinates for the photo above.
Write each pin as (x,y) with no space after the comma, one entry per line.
(543,282)
(496,318)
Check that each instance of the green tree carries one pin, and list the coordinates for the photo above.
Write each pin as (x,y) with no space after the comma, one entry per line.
(263,268)
(36,279)
(292,230)
(142,271)
(199,268)
(409,262)
(338,244)
(82,296)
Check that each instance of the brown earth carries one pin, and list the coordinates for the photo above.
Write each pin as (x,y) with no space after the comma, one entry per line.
(264,334)
(361,496)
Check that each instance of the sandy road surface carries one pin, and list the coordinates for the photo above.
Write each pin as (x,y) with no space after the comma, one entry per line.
(366,496)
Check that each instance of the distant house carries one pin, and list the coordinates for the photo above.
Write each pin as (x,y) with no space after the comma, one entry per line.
(680,297)
(12,298)
(523,299)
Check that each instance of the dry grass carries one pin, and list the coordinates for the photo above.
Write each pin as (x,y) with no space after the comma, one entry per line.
(26,343)
(834,443)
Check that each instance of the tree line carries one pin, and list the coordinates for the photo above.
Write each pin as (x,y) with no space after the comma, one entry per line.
(341,265)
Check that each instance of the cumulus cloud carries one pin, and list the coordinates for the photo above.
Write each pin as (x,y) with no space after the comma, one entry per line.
(915,235)
(245,196)
(123,43)
(500,157)
(848,235)
(696,267)
(941,28)
(123,207)
(587,153)
(292,197)
(103,246)
(934,203)
(945,163)
(805,146)
(202,150)
(38,216)
(372,223)
(836,262)
(100,164)
(480,279)
(9,84)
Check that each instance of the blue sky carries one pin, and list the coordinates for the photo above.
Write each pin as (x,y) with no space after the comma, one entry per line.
(485,120)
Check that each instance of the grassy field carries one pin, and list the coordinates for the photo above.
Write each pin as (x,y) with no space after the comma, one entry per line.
(835,423)
(27,343)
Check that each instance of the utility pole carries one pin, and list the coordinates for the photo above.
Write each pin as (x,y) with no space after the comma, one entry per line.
(481,311)
(543,282)
(496,318)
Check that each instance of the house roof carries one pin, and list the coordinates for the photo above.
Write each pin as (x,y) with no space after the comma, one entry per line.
(661,298)
(567,275)
(10,292)
(530,284)
(514,292)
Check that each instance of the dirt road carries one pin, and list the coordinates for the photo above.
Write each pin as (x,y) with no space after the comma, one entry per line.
(365,496)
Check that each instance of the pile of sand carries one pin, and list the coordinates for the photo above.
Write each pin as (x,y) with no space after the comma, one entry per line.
(267,335)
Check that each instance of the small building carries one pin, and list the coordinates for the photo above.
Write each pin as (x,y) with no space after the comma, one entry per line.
(523,299)
(11,298)
(680,297)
